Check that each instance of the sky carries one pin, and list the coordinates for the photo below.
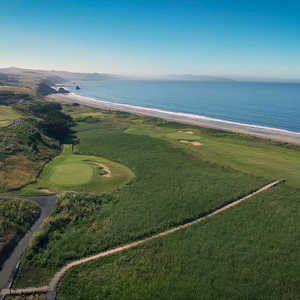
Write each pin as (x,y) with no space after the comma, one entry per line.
(235,38)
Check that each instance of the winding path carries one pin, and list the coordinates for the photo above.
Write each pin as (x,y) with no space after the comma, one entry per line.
(51,288)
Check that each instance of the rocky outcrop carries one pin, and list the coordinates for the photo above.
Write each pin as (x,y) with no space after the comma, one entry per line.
(62,90)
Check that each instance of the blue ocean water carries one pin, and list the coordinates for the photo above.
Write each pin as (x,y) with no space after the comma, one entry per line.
(274,105)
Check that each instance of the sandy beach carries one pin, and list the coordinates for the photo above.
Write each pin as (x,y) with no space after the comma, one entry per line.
(276,134)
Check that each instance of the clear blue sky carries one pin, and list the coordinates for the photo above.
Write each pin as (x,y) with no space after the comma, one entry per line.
(212,37)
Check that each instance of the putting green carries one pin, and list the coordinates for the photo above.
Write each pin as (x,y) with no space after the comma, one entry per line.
(71,174)
(81,173)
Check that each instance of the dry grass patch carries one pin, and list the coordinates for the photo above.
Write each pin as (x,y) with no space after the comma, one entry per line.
(187,132)
(16,171)
(27,297)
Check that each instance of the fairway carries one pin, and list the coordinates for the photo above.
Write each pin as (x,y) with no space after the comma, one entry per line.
(74,172)
(7,115)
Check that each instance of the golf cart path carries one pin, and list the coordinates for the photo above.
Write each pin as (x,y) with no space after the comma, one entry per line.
(51,288)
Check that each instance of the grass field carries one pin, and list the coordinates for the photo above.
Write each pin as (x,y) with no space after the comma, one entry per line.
(243,153)
(7,115)
(248,252)
(171,186)
(16,217)
(75,172)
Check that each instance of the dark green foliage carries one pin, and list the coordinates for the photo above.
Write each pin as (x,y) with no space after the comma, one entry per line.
(16,217)
(9,98)
(248,252)
(53,122)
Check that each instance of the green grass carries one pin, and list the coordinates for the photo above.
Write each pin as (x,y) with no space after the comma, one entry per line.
(171,186)
(7,115)
(76,172)
(242,153)
(16,217)
(248,252)
(24,150)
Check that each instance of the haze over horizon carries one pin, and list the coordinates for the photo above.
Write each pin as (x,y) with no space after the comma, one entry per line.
(153,38)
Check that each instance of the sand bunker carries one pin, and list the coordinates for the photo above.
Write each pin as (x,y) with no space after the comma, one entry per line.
(46,191)
(188,132)
(105,168)
(194,143)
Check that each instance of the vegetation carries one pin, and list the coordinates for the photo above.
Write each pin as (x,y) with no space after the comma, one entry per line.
(7,115)
(9,97)
(51,120)
(248,252)
(32,142)
(27,297)
(16,217)
(80,173)
(23,152)
(171,186)
(243,153)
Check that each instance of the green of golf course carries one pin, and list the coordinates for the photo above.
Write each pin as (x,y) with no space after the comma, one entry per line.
(74,172)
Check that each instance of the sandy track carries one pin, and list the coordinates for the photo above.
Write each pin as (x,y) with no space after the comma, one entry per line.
(58,276)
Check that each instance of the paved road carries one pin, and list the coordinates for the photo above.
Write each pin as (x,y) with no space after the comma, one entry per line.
(51,289)
(9,267)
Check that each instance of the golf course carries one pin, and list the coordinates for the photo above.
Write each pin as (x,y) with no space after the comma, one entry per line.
(74,172)
(131,177)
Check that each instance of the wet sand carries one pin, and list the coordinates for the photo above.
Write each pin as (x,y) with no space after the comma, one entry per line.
(276,134)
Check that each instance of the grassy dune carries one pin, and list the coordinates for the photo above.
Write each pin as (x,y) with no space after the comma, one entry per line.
(7,115)
(16,217)
(171,186)
(23,152)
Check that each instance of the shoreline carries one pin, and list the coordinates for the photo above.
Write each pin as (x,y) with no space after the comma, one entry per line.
(276,134)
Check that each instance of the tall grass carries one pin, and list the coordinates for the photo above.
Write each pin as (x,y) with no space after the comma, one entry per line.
(171,187)
(251,251)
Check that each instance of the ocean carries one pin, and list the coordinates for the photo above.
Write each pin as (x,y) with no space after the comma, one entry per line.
(275,105)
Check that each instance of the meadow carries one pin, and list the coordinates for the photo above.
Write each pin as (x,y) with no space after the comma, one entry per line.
(16,217)
(170,187)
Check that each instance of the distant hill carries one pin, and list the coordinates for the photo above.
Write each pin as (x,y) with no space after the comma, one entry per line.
(55,76)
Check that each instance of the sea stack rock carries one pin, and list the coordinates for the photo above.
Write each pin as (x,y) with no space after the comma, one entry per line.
(62,90)
(77,87)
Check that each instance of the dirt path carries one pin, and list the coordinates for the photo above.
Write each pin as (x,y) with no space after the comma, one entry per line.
(51,289)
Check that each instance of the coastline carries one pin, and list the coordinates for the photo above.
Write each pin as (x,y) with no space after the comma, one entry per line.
(276,134)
